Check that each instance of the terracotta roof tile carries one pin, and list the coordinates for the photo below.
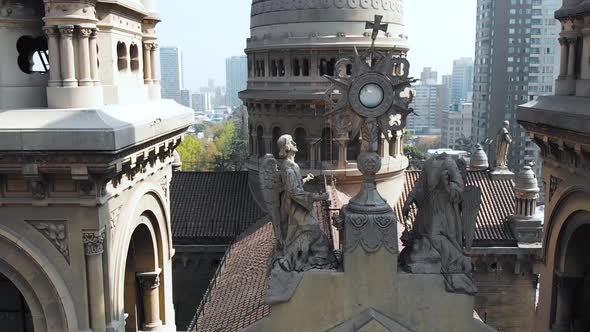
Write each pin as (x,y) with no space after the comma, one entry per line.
(237,297)
(210,208)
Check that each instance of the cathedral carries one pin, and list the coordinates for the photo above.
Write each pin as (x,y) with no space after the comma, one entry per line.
(326,228)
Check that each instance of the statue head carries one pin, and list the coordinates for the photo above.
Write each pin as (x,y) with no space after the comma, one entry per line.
(286,146)
(506,124)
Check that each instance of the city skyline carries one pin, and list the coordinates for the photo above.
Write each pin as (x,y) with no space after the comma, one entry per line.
(429,47)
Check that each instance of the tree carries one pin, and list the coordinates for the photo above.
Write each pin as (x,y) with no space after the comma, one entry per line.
(192,153)
(464,144)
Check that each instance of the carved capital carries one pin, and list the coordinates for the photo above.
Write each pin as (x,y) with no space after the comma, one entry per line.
(51,31)
(93,242)
(66,30)
(94,33)
(563,41)
(85,32)
(149,280)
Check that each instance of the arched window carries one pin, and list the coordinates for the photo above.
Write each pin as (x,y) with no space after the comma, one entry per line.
(354,148)
(262,69)
(329,148)
(305,67)
(276,133)
(323,67)
(121,56)
(273,68)
(134,52)
(296,67)
(260,141)
(300,139)
(32,54)
(331,65)
(281,68)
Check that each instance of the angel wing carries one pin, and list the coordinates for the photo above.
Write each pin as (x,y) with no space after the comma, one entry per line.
(470,209)
(271,187)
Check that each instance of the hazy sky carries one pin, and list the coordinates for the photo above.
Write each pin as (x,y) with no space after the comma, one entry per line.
(210,31)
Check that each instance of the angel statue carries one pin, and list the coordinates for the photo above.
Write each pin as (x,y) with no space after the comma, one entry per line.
(444,224)
(297,229)
(503,141)
(303,245)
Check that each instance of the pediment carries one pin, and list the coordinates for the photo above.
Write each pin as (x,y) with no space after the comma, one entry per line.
(370,320)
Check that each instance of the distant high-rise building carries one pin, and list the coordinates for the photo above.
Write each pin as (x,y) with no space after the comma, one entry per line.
(211,85)
(429,103)
(462,81)
(429,76)
(447,81)
(514,53)
(202,102)
(456,124)
(185,97)
(171,68)
(236,79)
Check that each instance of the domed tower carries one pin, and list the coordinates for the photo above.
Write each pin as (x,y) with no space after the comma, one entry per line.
(292,45)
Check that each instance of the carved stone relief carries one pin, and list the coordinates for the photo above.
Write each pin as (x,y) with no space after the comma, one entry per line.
(93,242)
(553,186)
(56,233)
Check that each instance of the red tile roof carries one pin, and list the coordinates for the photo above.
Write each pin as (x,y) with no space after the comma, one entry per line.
(491,228)
(211,208)
(237,298)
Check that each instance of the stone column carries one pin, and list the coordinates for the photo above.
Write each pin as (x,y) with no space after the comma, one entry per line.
(571,62)
(153,66)
(150,285)
(267,144)
(93,249)
(342,149)
(84,78)
(255,145)
(94,57)
(68,68)
(564,57)
(147,64)
(311,143)
(566,287)
(53,50)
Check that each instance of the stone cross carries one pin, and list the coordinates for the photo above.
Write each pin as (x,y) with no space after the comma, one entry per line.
(376,27)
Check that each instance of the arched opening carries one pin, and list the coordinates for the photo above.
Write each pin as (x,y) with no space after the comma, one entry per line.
(15,314)
(353,150)
(273,68)
(276,133)
(281,66)
(329,147)
(134,52)
(305,67)
(260,141)
(141,258)
(121,56)
(300,140)
(296,67)
(572,279)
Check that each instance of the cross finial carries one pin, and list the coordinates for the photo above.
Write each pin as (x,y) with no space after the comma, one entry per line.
(376,27)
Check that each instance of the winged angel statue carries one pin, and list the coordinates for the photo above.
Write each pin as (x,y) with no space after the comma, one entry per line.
(297,230)
(444,225)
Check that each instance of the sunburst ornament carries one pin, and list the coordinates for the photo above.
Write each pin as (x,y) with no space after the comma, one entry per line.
(373,85)
(370,92)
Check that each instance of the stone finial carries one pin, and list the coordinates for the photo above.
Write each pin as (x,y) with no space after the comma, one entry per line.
(525,225)
(525,183)
(479,159)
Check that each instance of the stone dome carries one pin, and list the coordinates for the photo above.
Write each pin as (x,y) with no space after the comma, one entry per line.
(324,23)
(479,159)
(526,181)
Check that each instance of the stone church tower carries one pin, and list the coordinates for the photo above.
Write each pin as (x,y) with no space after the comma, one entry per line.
(86,155)
(293,44)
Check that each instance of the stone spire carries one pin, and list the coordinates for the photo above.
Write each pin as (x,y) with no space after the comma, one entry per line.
(479,159)
(524,224)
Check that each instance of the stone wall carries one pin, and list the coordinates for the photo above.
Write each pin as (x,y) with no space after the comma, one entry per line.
(506,299)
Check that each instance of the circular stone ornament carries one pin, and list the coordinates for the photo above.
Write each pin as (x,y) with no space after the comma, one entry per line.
(371,95)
